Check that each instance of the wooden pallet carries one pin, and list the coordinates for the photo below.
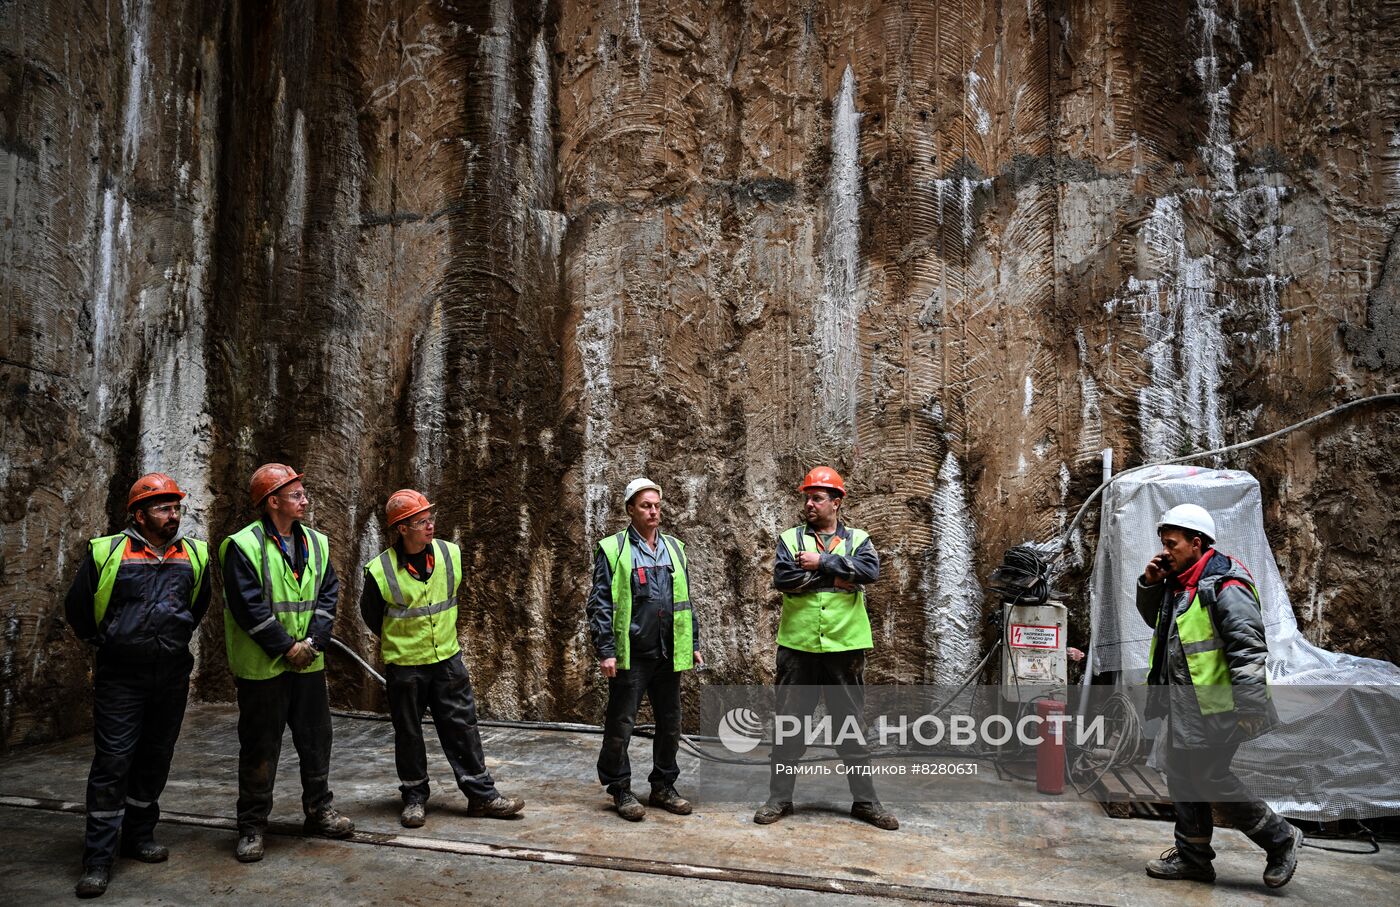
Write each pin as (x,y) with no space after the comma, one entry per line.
(1135,792)
(1138,792)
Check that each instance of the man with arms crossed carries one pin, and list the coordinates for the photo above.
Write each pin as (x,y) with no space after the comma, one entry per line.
(821,568)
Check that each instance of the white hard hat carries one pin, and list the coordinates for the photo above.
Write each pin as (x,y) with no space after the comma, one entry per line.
(1189,516)
(636,486)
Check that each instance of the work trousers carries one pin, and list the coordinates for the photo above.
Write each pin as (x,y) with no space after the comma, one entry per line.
(656,679)
(445,689)
(803,680)
(137,710)
(266,708)
(1198,778)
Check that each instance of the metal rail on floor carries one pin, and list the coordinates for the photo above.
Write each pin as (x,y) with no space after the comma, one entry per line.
(694,871)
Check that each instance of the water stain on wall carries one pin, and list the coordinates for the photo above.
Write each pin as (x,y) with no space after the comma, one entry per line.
(515,253)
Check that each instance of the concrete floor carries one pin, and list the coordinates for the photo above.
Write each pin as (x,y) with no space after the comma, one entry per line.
(570,845)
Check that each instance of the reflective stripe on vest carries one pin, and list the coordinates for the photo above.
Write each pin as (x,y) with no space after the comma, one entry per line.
(109,551)
(827,620)
(420,625)
(1205,659)
(291,600)
(618,550)
(290,606)
(107,563)
(1205,655)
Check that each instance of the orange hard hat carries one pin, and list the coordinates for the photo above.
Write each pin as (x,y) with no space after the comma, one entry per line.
(268,478)
(823,477)
(403,504)
(152,485)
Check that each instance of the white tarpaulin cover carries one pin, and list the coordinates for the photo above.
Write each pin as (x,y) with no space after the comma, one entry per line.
(1346,713)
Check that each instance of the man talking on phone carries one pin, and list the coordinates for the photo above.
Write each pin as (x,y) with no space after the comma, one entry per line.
(1208,680)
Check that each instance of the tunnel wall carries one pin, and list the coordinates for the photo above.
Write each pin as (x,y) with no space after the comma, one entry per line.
(515,253)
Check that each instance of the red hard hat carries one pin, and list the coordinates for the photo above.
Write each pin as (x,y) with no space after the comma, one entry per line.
(152,485)
(268,478)
(823,477)
(403,504)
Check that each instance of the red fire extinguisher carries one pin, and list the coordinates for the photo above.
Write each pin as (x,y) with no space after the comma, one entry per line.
(1050,750)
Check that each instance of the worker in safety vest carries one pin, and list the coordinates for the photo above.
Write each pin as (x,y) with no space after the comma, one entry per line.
(1208,676)
(137,598)
(821,567)
(280,593)
(645,636)
(410,603)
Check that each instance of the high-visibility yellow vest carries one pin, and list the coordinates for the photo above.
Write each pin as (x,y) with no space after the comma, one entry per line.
(829,620)
(107,555)
(420,620)
(292,601)
(618,550)
(1205,652)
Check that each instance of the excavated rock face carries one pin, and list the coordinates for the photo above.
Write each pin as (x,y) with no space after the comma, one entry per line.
(514,254)
(109,160)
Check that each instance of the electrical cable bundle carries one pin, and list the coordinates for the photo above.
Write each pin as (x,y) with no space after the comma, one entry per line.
(1023,578)
(1125,744)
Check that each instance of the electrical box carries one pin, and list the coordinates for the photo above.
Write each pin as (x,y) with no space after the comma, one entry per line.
(1033,659)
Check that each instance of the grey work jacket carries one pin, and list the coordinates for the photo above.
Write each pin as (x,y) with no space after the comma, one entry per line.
(1240,625)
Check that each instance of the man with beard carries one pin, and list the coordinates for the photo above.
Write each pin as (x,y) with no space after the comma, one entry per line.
(821,568)
(280,593)
(410,603)
(138,597)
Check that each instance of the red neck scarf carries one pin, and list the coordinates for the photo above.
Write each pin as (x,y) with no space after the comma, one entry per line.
(1191,577)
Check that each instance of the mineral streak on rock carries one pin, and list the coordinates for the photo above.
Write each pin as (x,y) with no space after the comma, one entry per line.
(839,307)
(954,598)
(516,253)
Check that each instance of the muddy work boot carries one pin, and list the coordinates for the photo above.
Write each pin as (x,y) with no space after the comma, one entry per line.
(665,796)
(93,882)
(328,823)
(772,811)
(1283,861)
(876,815)
(413,815)
(146,852)
(250,848)
(628,806)
(1172,866)
(498,807)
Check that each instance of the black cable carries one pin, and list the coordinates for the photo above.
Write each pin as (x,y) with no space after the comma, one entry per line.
(1375,845)
(1125,751)
(1123,754)
(1063,541)
(1364,833)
